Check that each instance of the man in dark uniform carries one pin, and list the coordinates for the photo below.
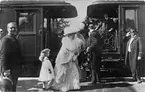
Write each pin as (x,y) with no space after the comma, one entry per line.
(10,55)
(94,47)
(109,24)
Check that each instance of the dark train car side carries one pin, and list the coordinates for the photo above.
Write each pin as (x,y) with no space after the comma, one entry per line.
(34,19)
(127,14)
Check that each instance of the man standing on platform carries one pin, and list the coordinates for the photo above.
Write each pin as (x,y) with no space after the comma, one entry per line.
(94,47)
(134,54)
(10,55)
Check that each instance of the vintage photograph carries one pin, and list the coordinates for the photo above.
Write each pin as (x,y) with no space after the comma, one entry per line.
(72,46)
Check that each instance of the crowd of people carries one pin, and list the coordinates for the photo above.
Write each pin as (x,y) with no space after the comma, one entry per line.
(67,70)
(66,73)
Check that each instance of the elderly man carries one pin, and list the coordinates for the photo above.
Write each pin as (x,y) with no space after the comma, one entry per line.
(10,55)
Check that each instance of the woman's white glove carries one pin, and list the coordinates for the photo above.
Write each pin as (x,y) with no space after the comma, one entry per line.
(138,58)
(75,58)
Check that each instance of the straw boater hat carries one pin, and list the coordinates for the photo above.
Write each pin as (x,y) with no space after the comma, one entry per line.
(73,29)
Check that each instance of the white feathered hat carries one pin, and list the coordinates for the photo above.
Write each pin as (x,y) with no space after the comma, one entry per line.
(73,28)
(70,30)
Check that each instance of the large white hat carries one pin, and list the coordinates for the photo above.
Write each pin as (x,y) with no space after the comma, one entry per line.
(73,28)
(70,30)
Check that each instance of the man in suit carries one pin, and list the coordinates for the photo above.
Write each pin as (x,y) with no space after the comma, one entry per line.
(94,47)
(133,54)
(10,55)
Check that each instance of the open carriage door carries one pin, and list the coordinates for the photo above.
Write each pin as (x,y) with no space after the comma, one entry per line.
(128,18)
(111,40)
(52,14)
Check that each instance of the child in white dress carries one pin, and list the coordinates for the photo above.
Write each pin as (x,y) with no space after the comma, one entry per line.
(46,73)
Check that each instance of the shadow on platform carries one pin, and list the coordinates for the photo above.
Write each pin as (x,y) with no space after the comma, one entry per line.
(33,85)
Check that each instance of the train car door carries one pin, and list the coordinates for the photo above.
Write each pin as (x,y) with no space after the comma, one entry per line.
(53,25)
(128,18)
(29,21)
(129,14)
(35,20)
(132,15)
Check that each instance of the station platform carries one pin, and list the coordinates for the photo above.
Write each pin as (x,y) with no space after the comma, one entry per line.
(108,84)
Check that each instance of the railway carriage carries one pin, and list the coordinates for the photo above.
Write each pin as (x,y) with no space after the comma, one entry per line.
(36,20)
(128,13)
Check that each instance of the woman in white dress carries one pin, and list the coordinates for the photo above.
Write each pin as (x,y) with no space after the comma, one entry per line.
(66,64)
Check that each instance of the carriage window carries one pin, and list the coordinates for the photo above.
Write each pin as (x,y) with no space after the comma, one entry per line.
(26,21)
(130,18)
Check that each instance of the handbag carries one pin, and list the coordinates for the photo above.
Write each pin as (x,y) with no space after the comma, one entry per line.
(5,81)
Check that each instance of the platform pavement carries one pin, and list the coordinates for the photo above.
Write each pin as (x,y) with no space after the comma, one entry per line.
(109,84)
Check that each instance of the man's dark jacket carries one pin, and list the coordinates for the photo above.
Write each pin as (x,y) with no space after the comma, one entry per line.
(10,53)
(94,42)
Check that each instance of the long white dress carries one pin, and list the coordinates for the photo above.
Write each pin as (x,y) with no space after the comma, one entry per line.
(47,71)
(66,68)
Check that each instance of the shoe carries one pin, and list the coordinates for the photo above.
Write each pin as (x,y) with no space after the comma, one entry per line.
(44,89)
(139,81)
